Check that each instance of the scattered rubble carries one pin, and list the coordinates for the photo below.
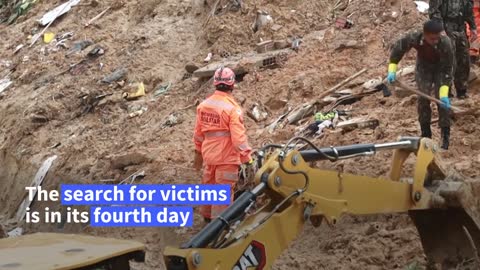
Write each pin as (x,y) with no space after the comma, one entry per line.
(263,19)
(343,23)
(132,178)
(118,74)
(15,232)
(53,14)
(208,58)
(18,48)
(359,122)
(191,67)
(173,119)
(140,92)
(265,46)
(37,181)
(136,110)
(422,6)
(162,89)
(4,84)
(257,113)
(79,46)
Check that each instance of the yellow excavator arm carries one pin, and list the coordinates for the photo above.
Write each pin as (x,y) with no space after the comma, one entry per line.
(442,208)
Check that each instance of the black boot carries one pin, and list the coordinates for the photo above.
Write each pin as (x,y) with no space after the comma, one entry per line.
(426,131)
(462,94)
(445,137)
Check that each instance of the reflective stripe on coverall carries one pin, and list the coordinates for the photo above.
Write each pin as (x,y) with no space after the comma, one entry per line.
(220,136)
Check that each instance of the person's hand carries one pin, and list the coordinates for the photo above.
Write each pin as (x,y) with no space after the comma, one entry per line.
(247,173)
(392,72)
(391,77)
(443,94)
(446,102)
(247,168)
(474,35)
(198,161)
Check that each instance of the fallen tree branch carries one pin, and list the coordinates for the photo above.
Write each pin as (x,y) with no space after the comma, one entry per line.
(97,17)
(307,108)
(191,106)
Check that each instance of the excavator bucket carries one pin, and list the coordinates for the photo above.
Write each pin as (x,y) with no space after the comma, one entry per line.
(58,251)
(450,234)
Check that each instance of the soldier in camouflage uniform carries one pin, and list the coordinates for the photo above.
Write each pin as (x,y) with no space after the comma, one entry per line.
(434,70)
(454,14)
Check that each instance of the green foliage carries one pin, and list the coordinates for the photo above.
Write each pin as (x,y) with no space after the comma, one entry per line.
(12,9)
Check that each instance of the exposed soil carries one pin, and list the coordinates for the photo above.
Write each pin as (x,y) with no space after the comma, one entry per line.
(45,111)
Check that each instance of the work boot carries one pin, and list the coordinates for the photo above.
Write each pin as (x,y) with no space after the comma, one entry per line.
(462,94)
(206,220)
(426,131)
(445,137)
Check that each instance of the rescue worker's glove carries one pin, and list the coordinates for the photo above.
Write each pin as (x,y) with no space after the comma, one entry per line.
(392,72)
(248,164)
(198,160)
(247,175)
(444,96)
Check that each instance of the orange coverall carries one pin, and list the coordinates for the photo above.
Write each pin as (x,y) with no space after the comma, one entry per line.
(220,136)
(474,51)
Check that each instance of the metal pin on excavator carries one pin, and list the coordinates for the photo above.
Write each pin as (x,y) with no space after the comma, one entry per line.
(442,208)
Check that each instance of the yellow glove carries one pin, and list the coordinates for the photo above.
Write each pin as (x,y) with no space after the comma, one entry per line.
(250,162)
(392,67)
(443,92)
(392,72)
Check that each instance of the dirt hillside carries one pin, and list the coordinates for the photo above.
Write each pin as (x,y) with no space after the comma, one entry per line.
(62,103)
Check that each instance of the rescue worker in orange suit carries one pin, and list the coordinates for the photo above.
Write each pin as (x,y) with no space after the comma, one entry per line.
(475,43)
(221,143)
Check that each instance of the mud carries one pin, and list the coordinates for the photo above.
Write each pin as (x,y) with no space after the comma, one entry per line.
(45,111)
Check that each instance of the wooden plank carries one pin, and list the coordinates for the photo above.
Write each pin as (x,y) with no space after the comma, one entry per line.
(265,46)
(209,70)
(239,64)
(358,123)
(37,181)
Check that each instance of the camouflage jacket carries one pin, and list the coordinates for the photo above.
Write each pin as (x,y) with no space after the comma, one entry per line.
(453,13)
(439,57)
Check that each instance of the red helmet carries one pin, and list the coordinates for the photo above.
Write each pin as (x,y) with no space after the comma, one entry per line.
(224,76)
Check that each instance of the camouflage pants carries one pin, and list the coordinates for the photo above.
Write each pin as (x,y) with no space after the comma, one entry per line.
(461,67)
(428,81)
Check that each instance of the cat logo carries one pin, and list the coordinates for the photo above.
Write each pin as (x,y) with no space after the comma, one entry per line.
(252,258)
